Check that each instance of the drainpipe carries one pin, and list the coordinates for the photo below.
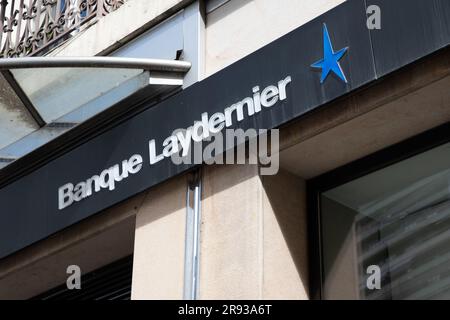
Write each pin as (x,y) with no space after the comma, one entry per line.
(192,238)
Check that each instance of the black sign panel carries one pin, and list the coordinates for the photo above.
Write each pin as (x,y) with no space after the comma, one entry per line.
(409,30)
(29,206)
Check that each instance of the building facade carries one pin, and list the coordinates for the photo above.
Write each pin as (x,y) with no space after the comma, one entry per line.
(357,206)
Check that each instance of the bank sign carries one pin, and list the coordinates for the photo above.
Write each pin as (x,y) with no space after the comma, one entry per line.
(320,61)
(179,143)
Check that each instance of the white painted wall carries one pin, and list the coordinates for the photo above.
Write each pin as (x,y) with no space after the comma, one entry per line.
(241,27)
(115,28)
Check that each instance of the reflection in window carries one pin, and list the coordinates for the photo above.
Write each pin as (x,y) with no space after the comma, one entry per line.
(397,218)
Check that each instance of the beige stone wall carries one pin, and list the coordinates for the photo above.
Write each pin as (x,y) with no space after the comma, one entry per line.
(285,237)
(241,27)
(253,236)
(158,266)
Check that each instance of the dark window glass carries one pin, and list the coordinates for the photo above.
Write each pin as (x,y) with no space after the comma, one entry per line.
(111,282)
(396,219)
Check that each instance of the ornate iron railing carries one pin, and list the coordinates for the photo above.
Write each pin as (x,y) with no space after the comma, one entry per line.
(32,27)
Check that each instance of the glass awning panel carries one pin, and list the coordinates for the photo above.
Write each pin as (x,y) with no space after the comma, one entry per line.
(41,98)
(15,120)
(56,92)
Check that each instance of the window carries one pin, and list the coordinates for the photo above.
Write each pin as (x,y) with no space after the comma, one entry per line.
(111,282)
(396,219)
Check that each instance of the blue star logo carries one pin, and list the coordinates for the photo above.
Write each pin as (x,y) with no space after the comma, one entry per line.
(330,61)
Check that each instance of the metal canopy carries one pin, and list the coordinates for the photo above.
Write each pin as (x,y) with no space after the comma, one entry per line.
(95,62)
(43,97)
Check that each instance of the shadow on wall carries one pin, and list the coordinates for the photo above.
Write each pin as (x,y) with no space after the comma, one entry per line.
(286,194)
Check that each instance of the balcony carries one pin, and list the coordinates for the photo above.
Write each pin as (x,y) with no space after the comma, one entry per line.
(34,27)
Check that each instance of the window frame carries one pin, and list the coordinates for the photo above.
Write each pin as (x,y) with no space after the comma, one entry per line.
(356,169)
